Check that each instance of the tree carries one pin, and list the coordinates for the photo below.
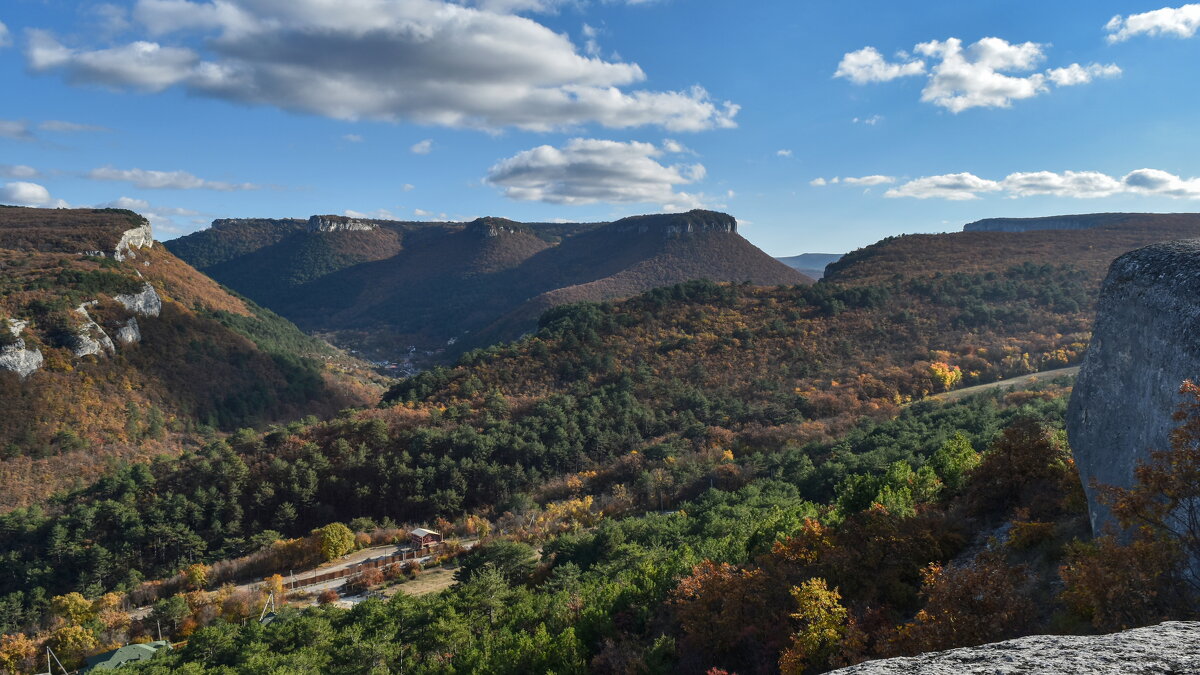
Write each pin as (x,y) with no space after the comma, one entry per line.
(197,576)
(954,460)
(512,559)
(336,540)
(823,625)
(171,610)
(17,653)
(72,643)
(72,608)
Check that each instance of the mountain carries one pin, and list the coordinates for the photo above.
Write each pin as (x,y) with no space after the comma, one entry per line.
(111,347)
(1085,221)
(382,286)
(810,264)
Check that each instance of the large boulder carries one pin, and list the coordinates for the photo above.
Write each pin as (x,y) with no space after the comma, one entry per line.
(1145,343)
(1172,647)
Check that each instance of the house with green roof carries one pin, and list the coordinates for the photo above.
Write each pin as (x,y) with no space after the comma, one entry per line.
(127,654)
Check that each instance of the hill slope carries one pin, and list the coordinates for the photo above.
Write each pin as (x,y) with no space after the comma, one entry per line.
(382,286)
(127,351)
(1084,221)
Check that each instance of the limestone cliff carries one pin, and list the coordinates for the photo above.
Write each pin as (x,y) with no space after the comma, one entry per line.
(1168,648)
(143,303)
(1145,342)
(669,224)
(339,224)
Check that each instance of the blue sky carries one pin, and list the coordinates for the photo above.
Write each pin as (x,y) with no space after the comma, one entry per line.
(938,113)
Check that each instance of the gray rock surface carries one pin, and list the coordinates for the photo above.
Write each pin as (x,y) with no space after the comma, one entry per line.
(17,359)
(129,332)
(1172,647)
(339,224)
(1145,342)
(91,338)
(138,237)
(143,303)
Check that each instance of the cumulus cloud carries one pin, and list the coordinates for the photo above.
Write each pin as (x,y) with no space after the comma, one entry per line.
(783,153)
(869,180)
(868,65)
(586,171)
(1071,184)
(822,182)
(168,180)
(422,147)
(953,186)
(1180,22)
(869,121)
(425,61)
(18,171)
(171,220)
(991,73)
(21,193)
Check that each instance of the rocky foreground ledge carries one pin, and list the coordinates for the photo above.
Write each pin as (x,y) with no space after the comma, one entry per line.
(1172,647)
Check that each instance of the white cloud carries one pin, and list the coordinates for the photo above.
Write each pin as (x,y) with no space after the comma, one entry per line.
(422,213)
(18,171)
(5,37)
(1070,184)
(22,193)
(591,45)
(822,182)
(869,121)
(408,187)
(163,218)
(69,127)
(978,76)
(868,65)
(424,61)
(783,153)
(1179,22)
(869,180)
(169,180)
(16,130)
(586,171)
(377,214)
(954,186)
(422,147)
(1076,74)
(676,148)
(352,138)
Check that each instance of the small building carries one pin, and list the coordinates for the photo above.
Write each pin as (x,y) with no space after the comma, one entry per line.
(421,537)
(127,654)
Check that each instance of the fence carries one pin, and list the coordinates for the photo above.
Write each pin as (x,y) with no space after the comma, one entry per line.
(358,568)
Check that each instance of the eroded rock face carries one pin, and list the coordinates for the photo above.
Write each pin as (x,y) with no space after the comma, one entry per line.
(674,224)
(143,303)
(339,224)
(1145,343)
(138,237)
(15,358)
(91,338)
(1172,647)
(129,332)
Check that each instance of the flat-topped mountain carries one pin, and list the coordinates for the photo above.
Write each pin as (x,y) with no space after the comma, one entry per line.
(1085,221)
(385,285)
(110,346)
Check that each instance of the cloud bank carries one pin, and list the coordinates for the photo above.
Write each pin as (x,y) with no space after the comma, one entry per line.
(1180,22)
(1071,184)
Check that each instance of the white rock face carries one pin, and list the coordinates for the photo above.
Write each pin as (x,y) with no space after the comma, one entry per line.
(129,332)
(138,237)
(17,327)
(91,338)
(339,224)
(1172,647)
(143,303)
(17,359)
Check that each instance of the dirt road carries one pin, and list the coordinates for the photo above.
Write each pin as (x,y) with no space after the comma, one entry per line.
(1011,383)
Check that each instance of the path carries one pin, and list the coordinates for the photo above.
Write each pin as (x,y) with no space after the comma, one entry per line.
(1012,382)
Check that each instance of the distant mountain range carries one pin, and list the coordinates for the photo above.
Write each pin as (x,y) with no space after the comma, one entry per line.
(383,286)
(810,264)
(1083,221)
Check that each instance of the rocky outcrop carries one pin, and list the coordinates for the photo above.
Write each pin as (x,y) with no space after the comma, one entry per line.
(138,237)
(1172,647)
(339,224)
(143,303)
(14,357)
(674,224)
(494,227)
(1145,342)
(129,332)
(90,338)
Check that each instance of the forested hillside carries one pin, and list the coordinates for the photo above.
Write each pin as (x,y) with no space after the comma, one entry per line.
(122,350)
(385,286)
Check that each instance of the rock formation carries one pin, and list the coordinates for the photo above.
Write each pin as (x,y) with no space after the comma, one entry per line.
(128,332)
(14,357)
(1145,342)
(90,338)
(138,237)
(696,220)
(339,224)
(1172,647)
(1169,647)
(143,303)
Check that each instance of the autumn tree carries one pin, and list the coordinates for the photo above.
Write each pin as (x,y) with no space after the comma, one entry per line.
(72,608)
(197,576)
(336,540)
(823,625)
(17,653)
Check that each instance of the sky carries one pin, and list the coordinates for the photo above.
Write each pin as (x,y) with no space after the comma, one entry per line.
(822,126)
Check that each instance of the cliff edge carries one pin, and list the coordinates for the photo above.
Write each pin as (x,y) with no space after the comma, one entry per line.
(1145,342)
